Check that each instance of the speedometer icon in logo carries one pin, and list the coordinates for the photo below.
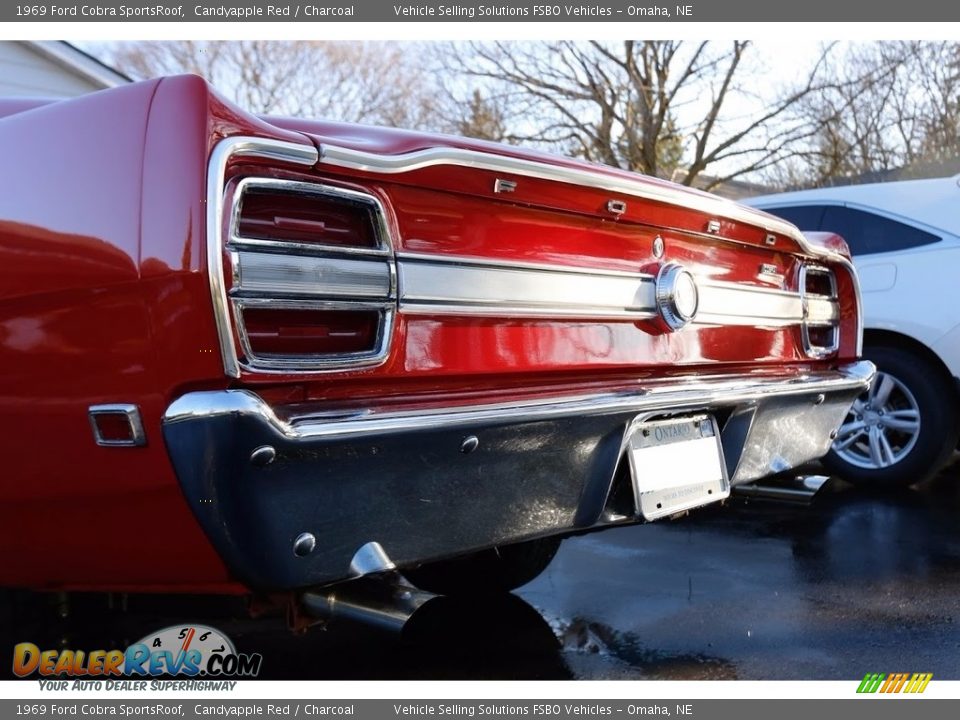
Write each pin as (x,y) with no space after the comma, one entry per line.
(192,650)
(184,638)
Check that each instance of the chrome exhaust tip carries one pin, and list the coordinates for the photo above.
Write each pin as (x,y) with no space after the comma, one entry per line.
(386,603)
(796,489)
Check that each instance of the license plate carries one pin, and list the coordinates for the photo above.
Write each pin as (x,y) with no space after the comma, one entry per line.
(676,464)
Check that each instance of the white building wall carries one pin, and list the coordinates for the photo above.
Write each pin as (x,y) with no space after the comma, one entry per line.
(26,72)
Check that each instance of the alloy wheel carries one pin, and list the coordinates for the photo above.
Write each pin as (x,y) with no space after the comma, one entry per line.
(882,426)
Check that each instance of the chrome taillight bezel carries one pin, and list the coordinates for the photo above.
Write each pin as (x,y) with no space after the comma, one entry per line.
(225,240)
(306,362)
(309,189)
(819,311)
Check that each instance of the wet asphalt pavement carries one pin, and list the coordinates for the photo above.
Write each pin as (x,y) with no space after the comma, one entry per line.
(848,583)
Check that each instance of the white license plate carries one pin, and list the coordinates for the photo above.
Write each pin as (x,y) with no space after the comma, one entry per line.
(676,464)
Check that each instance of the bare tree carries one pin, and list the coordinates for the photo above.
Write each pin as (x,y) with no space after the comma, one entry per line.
(480,117)
(893,105)
(666,108)
(938,71)
(379,83)
(865,121)
(696,112)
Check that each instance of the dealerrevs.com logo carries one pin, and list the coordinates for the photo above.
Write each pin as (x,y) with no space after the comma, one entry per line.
(186,650)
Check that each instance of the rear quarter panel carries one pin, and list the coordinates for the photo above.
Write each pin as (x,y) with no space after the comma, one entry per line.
(78,310)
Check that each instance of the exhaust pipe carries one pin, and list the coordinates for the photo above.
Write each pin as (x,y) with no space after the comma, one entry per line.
(386,603)
(797,489)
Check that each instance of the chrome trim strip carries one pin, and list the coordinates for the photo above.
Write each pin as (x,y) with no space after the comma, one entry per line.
(445,285)
(692,394)
(261,272)
(226,149)
(730,304)
(292,248)
(471,261)
(436,285)
(822,311)
(858,297)
(138,437)
(584,177)
(314,304)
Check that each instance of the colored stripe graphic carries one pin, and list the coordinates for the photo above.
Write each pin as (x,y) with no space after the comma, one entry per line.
(923,679)
(894,683)
(901,679)
(871,682)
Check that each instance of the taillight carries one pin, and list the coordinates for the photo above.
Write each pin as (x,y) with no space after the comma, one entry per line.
(296,212)
(821,311)
(287,332)
(313,276)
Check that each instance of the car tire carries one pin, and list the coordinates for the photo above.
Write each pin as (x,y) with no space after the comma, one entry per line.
(497,570)
(878,445)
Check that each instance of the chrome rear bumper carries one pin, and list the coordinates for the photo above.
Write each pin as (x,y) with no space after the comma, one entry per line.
(436,482)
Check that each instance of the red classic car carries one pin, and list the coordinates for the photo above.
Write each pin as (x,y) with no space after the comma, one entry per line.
(263,354)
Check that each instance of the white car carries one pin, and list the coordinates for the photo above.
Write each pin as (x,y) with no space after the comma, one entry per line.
(905,241)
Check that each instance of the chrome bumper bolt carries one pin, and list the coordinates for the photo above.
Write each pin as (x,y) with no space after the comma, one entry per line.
(263,455)
(304,544)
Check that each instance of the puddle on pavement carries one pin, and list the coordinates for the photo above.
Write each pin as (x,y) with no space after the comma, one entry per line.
(579,636)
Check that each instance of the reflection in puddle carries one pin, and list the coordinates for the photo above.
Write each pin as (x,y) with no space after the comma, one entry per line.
(580,636)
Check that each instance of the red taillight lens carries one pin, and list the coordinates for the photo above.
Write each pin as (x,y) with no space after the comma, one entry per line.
(268,214)
(295,332)
(822,337)
(820,283)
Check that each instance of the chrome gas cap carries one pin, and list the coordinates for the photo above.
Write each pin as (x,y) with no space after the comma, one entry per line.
(677,295)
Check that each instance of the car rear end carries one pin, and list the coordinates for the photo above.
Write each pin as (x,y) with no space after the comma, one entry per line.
(431,347)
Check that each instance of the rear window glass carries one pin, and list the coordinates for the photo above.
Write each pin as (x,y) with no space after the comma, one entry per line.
(805,217)
(867,233)
(864,232)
